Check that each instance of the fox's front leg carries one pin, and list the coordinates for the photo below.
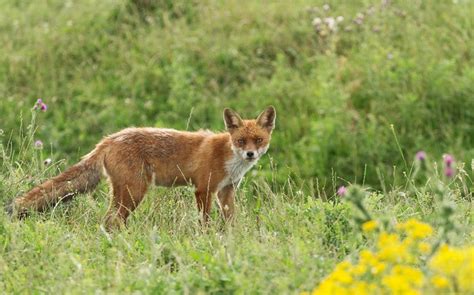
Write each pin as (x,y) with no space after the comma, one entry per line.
(204,202)
(226,202)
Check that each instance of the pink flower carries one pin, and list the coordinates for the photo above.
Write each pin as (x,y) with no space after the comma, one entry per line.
(449,172)
(420,156)
(341,191)
(448,160)
(38,144)
(40,105)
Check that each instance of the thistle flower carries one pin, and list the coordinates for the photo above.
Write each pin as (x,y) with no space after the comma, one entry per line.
(341,191)
(38,144)
(40,105)
(448,160)
(449,172)
(421,156)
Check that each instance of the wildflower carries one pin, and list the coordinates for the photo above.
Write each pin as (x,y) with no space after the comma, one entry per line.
(455,263)
(440,282)
(449,172)
(424,248)
(448,160)
(415,229)
(341,273)
(369,226)
(317,21)
(331,23)
(403,279)
(38,144)
(326,7)
(341,191)
(420,156)
(40,105)
(447,260)
(390,56)
(47,162)
(340,19)
(370,260)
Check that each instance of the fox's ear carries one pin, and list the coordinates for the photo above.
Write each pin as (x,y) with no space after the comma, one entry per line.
(232,119)
(267,118)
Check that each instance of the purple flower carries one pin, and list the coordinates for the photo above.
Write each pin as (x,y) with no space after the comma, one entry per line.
(38,144)
(341,191)
(448,160)
(420,156)
(449,172)
(40,105)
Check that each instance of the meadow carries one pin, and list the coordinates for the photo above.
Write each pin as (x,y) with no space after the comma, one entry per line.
(374,140)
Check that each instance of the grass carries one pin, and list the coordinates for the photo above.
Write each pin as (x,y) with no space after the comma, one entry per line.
(104,65)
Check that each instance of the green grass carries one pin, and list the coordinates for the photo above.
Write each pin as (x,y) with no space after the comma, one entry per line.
(105,65)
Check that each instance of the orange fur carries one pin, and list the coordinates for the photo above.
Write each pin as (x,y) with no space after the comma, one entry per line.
(135,158)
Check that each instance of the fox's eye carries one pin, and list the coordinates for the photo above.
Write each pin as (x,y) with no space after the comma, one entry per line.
(241,141)
(258,140)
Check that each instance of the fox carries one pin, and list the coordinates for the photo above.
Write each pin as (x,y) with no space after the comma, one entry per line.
(137,157)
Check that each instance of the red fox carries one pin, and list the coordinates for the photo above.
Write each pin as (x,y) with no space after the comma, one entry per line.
(134,158)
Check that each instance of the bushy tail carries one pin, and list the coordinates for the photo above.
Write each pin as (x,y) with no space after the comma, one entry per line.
(80,178)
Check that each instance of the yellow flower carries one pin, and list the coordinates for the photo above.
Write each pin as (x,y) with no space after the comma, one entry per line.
(329,288)
(424,248)
(440,282)
(371,261)
(391,249)
(386,240)
(378,268)
(415,229)
(455,263)
(447,260)
(369,226)
(403,280)
(359,269)
(341,273)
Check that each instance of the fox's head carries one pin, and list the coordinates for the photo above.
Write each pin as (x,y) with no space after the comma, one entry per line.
(250,138)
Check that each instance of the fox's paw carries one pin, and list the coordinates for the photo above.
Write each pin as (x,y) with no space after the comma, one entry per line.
(12,210)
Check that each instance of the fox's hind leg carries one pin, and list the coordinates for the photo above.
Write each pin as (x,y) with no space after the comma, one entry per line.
(126,196)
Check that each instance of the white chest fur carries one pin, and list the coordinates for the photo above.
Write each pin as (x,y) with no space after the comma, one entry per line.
(235,167)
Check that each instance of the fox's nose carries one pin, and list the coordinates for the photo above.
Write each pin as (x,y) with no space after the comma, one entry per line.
(250,154)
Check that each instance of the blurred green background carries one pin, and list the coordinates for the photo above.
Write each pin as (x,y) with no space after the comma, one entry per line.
(339,76)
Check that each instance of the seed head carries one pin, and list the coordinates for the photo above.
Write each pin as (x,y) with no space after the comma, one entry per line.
(38,144)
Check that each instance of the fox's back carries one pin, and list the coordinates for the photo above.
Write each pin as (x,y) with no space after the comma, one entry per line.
(168,155)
